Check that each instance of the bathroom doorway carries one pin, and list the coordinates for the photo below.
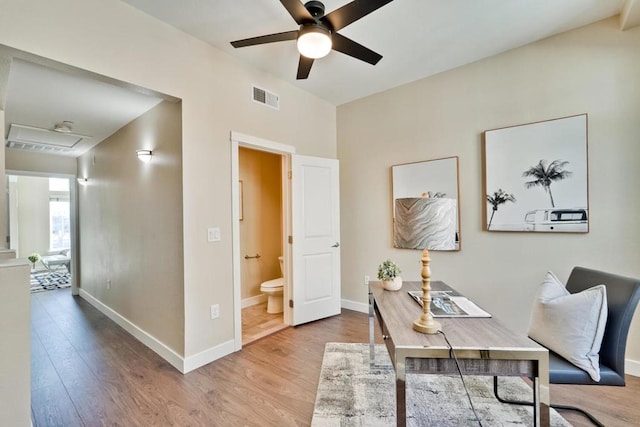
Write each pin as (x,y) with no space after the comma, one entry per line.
(261,223)
(310,210)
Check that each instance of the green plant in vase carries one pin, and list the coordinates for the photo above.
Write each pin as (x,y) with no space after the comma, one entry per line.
(34,257)
(389,274)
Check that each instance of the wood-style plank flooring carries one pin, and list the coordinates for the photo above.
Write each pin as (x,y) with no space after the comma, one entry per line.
(87,371)
(257,323)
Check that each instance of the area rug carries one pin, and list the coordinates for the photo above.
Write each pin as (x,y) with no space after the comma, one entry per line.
(46,281)
(351,393)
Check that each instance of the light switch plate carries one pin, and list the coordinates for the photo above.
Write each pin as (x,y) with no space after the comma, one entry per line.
(213,234)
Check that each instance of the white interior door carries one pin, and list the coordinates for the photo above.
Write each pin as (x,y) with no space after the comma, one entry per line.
(316,238)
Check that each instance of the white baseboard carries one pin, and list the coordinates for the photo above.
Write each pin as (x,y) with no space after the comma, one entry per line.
(144,337)
(632,367)
(258,299)
(182,364)
(355,306)
(208,356)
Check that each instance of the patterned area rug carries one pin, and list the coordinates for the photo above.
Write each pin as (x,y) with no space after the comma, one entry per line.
(45,281)
(351,393)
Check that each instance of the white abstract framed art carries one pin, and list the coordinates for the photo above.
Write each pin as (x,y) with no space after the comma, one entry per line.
(429,189)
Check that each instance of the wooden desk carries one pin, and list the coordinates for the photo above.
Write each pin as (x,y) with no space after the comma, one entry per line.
(483,346)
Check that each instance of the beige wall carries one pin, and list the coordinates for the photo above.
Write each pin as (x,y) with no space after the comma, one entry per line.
(215,93)
(32,199)
(131,224)
(26,161)
(591,70)
(15,357)
(261,228)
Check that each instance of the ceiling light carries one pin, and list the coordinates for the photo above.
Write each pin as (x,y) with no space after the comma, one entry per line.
(314,41)
(144,155)
(64,127)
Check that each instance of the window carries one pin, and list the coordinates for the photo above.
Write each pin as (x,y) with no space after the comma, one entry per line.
(59,214)
(578,215)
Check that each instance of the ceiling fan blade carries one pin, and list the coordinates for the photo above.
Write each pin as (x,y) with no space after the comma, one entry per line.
(304,67)
(353,11)
(356,50)
(270,38)
(298,12)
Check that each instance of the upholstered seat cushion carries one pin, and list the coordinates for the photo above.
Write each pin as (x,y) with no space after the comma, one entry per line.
(561,371)
(571,325)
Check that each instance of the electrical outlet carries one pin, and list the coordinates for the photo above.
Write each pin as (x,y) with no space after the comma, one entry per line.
(108,284)
(215,311)
(366,280)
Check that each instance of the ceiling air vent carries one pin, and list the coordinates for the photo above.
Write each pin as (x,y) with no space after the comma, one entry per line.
(43,140)
(264,97)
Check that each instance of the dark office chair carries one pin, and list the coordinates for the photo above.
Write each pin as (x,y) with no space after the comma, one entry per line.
(622,298)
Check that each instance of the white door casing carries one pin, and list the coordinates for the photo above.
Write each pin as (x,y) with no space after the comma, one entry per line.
(316,238)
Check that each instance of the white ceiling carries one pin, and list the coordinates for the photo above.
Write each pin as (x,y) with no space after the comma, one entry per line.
(40,97)
(417,38)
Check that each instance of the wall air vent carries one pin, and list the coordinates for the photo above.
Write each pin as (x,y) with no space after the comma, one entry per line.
(264,97)
(42,140)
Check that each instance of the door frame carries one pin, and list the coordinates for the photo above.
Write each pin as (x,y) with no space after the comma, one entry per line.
(285,151)
(73,216)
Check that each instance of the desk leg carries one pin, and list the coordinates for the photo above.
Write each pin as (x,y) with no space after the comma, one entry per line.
(536,401)
(372,348)
(401,392)
(541,416)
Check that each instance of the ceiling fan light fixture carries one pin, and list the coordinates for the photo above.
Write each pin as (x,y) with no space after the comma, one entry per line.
(314,41)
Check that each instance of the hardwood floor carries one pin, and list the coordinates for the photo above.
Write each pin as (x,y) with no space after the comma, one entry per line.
(87,371)
(257,323)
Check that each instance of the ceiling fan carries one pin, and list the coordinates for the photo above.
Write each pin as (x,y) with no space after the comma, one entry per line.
(318,33)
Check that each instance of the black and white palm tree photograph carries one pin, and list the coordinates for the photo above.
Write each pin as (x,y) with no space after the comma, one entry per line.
(536,177)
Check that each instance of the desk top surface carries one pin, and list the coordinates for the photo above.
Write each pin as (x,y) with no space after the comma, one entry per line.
(399,311)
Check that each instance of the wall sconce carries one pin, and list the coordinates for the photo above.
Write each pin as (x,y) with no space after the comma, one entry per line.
(144,155)
(83,181)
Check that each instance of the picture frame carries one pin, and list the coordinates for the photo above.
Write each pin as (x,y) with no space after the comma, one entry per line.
(535,177)
(437,179)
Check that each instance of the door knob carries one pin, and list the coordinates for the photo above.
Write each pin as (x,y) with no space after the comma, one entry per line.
(336,245)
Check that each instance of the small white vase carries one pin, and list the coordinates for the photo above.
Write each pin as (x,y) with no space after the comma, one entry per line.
(392,285)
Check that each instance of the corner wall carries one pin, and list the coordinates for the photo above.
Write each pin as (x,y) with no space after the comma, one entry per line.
(591,70)
(131,225)
(15,357)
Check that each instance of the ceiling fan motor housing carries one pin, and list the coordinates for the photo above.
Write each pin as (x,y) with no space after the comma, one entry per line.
(315,8)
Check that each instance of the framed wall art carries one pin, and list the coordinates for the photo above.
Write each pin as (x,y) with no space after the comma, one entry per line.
(536,177)
(425,205)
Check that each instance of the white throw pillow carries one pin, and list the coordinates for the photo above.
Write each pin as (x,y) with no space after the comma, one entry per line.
(571,325)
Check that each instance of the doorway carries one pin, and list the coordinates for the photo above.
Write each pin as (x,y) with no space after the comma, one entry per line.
(259,165)
(310,233)
(261,243)
(42,227)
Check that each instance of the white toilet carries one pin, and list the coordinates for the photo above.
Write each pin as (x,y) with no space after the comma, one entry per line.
(273,290)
